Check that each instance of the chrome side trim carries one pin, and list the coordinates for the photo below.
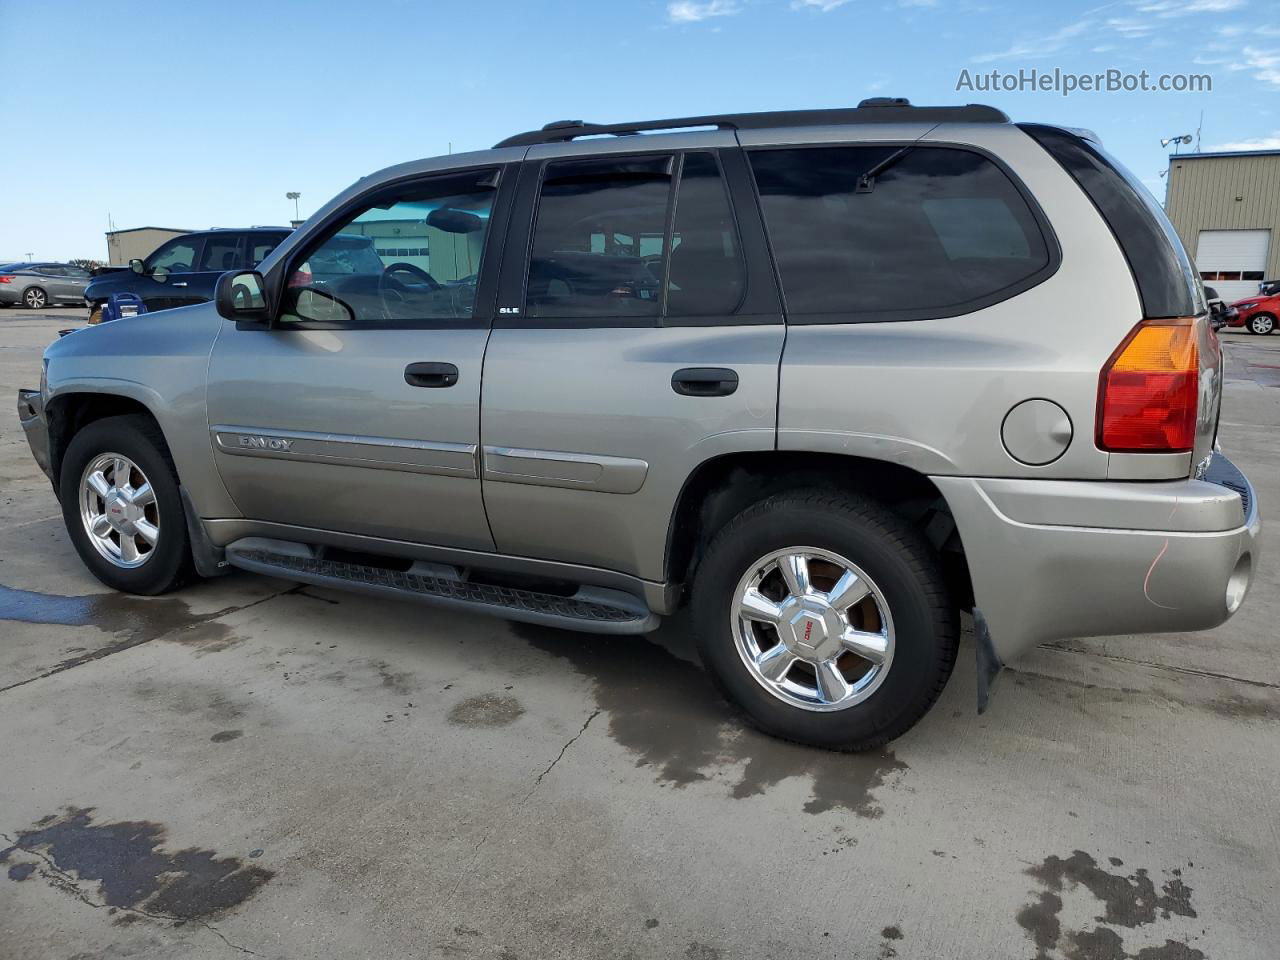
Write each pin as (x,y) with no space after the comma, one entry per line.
(375,453)
(662,598)
(579,471)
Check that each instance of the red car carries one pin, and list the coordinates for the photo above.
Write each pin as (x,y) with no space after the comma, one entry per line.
(1256,314)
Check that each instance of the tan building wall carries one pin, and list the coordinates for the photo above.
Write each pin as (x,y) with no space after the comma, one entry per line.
(126,245)
(1214,192)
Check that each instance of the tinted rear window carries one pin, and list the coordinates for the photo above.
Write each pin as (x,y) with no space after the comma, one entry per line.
(940,231)
(1160,266)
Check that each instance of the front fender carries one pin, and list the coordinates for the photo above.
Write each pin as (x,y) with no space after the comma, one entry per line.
(160,362)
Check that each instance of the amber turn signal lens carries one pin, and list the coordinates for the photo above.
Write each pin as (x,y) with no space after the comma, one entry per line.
(1149,390)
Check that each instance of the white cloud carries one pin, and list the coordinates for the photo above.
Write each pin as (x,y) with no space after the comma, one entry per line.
(686,11)
(1258,143)
(1263,64)
(1251,30)
(1182,8)
(1036,46)
(1130,28)
(822,6)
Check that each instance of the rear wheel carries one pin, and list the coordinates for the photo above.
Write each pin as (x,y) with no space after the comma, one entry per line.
(825,620)
(34,298)
(122,508)
(1262,323)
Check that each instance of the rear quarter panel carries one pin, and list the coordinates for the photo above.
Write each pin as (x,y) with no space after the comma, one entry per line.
(932,394)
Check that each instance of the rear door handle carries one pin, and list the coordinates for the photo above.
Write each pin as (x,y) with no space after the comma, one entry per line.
(704,381)
(431,374)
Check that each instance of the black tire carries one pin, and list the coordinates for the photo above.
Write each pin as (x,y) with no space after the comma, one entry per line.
(1266,320)
(893,554)
(35,298)
(169,564)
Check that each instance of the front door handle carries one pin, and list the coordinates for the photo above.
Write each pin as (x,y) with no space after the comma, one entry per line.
(431,374)
(180,283)
(704,381)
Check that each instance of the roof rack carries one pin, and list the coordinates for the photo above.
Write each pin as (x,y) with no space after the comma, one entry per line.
(873,110)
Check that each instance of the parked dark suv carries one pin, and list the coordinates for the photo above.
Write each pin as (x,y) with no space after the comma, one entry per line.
(185,270)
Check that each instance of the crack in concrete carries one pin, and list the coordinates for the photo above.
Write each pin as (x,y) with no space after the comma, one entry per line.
(475,851)
(560,756)
(1190,671)
(128,643)
(60,879)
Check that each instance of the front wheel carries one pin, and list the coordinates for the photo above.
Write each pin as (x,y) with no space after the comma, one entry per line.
(825,619)
(122,507)
(1262,323)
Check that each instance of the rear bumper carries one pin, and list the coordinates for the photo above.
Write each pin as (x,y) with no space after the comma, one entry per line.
(31,416)
(1051,560)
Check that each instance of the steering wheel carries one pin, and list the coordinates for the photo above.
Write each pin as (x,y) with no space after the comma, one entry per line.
(420,275)
(392,290)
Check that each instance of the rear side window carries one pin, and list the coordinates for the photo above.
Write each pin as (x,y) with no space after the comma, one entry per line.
(707,273)
(221,252)
(1159,263)
(893,233)
(599,241)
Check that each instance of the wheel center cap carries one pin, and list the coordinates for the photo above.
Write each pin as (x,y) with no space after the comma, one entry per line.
(810,628)
(120,513)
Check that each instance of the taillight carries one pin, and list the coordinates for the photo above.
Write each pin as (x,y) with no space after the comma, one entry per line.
(6,279)
(1148,390)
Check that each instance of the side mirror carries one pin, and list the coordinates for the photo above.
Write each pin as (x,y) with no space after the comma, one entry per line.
(137,266)
(240,296)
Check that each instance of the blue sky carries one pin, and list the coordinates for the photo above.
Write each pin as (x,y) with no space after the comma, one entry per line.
(198,115)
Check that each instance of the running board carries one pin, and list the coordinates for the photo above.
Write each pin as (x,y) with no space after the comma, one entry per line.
(591,609)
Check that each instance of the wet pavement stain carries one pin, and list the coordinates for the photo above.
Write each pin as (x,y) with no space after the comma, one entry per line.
(665,711)
(1128,901)
(20,871)
(132,870)
(225,736)
(136,618)
(486,710)
(1040,920)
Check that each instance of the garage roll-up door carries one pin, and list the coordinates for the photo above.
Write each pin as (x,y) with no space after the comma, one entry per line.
(1233,261)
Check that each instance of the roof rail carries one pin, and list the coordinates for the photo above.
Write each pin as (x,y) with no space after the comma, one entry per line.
(873,110)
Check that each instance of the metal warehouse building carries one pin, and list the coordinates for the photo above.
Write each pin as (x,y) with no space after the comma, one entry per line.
(1226,208)
(137,242)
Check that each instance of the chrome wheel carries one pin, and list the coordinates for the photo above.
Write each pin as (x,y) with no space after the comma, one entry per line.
(119,510)
(1263,323)
(813,629)
(34,298)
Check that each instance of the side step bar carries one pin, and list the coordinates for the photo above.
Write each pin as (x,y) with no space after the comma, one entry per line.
(591,609)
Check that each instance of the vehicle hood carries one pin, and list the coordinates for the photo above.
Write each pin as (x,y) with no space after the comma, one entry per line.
(105,284)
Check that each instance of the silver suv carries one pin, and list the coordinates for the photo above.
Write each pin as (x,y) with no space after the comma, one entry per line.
(830,378)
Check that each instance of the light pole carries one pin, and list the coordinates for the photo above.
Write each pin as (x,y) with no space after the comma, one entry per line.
(294,195)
